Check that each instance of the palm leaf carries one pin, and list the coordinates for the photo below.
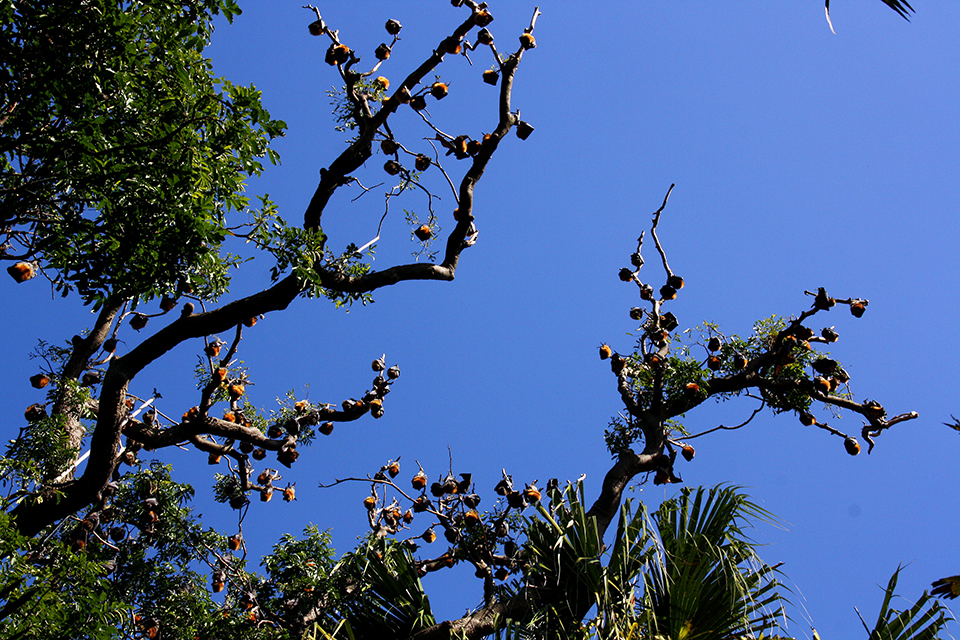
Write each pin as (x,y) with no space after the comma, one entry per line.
(565,551)
(567,572)
(707,582)
(900,6)
(631,550)
(384,597)
(923,621)
(948,587)
(703,580)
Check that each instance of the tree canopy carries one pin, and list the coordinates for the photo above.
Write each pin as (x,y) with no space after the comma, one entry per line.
(122,154)
(124,174)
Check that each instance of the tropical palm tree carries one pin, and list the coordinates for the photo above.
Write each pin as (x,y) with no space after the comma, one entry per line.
(688,572)
(925,620)
(706,581)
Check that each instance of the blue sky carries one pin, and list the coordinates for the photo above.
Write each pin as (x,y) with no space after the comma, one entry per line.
(801,158)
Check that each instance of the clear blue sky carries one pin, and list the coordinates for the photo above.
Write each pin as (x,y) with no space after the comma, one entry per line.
(801,159)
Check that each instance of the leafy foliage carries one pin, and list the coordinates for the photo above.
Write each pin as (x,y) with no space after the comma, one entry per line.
(383,595)
(49,591)
(707,580)
(41,451)
(687,572)
(925,620)
(565,567)
(120,154)
(96,580)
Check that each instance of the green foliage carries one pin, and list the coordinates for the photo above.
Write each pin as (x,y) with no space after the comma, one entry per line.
(925,620)
(288,411)
(300,570)
(346,265)
(120,154)
(684,376)
(48,591)
(41,451)
(292,247)
(344,112)
(299,251)
(565,551)
(702,579)
(387,598)
(414,222)
(620,435)
(706,580)
(227,488)
(73,583)
(381,595)
(53,355)
(765,332)
(118,570)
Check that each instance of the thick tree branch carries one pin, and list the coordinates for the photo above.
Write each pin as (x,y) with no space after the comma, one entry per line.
(83,351)
(607,505)
(32,517)
(198,325)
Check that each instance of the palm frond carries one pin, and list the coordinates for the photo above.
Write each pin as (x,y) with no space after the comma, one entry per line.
(900,6)
(567,573)
(383,595)
(707,581)
(702,581)
(565,563)
(923,621)
(956,423)
(948,587)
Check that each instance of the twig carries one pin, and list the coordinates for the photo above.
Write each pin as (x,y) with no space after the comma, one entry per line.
(342,480)
(453,188)
(872,430)
(826,427)
(638,254)
(653,230)
(323,25)
(533,20)
(725,428)
(365,189)
(386,482)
